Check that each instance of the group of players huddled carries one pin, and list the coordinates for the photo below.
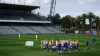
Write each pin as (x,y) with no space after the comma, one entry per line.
(59,45)
(62,45)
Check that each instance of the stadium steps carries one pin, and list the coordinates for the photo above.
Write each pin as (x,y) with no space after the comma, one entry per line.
(5,29)
(54,29)
(34,30)
(48,29)
(42,30)
(57,28)
(16,30)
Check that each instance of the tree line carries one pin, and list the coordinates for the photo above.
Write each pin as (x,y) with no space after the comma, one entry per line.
(77,23)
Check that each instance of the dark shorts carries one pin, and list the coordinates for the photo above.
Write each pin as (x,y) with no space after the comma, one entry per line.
(46,45)
(87,45)
(74,47)
(65,46)
(59,48)
(52,49)
(93,41)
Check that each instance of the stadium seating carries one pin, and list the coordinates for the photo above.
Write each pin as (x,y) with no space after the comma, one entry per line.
(24,30)
(57,27)
(15,17)
(41,29)
(53,29)
(28,30)
(4,17)
(29,17)
(19,19)
(7,30)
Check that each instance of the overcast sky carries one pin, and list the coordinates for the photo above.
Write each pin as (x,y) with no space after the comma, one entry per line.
(63,7)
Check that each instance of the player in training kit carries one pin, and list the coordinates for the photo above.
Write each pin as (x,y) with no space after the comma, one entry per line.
(65,46)
(71,45)
(56,44)
(46,44)
(93,41)
(50,45)
(87,42)
(76,45)
(59,47)
(53,45)
(62,44)
(68,42)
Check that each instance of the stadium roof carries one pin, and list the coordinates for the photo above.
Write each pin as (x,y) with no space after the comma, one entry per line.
(20,21)
(17,7)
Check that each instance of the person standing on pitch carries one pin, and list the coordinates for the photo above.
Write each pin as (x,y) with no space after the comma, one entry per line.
(59,47)
(93,41)
(87,42)
(65,46)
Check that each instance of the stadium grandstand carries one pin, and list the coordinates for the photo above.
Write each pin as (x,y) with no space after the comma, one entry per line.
(19,19)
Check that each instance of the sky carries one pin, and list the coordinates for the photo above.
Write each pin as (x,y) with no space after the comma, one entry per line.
(63,7)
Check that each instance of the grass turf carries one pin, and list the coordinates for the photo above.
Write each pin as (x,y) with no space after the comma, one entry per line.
(10,45)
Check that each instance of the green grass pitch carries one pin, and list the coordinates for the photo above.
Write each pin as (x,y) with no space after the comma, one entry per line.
(10,45)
